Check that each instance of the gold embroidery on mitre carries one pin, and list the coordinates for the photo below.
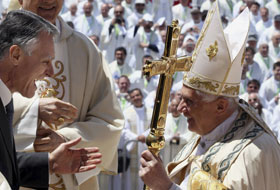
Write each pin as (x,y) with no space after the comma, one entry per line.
(202,34)
(208,85)
(59,81)
(212,50)
(231,90)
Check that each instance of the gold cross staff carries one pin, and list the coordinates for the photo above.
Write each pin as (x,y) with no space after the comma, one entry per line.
(166,67)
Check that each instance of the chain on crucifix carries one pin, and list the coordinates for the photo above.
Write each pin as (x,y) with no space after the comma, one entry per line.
(166,67)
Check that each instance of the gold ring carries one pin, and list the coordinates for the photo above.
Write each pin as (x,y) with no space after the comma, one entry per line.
(61,120)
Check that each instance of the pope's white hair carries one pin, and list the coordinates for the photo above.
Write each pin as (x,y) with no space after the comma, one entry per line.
(210,98)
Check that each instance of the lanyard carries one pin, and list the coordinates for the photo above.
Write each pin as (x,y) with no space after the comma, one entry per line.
(89,24)
(176,125)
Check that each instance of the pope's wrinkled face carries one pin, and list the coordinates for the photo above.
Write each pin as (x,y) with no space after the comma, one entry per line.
(200,114)
(34,66)
(48,9)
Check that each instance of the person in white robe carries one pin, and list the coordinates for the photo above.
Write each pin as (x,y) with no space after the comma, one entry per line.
(127,12)
(70,15)
(252,41)
(267,34)
(225,7)
(146,41)
(122,92)
(176,133)
(96,7)
(128,5)
(137,122)
(182,12)
(104,16)
(254,13)
(253,86)
(234,145)
(161,8)
(89,86)
(274,46)
(270,89)
(181,50)
(86,23)
(113,33)
(134,18)
(255,102)
(194,26)
(273,7)
(265,22)
(119,67)
(254,69)
(264,60)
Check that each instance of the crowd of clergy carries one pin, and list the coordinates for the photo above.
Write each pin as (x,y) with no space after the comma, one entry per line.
(129,32)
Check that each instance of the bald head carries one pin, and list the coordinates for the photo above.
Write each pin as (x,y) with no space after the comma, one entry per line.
(88,7)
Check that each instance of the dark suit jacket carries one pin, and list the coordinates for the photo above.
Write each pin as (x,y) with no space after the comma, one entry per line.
(20,169)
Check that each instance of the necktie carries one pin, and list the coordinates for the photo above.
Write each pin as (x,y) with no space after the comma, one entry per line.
(9,114)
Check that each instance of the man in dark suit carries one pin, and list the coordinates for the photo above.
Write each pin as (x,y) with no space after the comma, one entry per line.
(26,52)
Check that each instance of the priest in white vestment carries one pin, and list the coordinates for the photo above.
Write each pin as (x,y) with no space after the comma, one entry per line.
(146,41)
(86,23)
(235,149)
(264,60)
(270,89)
(137,122)
(265,21)
(82,78)
(70,15)
(113,33)
(134,18)
(119,66)
(254,69)
(255,101)
(274,46)
(122,92)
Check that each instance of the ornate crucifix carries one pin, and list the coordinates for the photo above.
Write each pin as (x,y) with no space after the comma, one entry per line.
(166,67)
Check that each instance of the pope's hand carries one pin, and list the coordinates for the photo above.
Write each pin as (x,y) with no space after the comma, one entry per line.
(67,160)
(51,110)
(47,140)
(153,173)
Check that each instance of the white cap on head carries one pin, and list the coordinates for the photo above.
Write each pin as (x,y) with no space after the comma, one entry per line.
(189,37)
(139,2)
(148,17)
(218,55)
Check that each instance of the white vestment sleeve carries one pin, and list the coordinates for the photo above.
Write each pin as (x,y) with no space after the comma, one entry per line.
(25,129)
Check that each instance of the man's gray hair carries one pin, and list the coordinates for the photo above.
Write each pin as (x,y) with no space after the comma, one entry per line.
(209,98)
(22,28)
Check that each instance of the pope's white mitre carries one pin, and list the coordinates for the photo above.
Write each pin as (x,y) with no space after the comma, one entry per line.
(218,55)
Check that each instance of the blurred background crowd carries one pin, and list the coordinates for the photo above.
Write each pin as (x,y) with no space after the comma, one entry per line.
(129,32)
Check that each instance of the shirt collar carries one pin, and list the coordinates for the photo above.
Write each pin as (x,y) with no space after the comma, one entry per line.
(5,93)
